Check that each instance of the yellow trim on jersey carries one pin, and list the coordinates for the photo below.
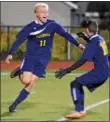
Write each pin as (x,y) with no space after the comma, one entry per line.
(43,35)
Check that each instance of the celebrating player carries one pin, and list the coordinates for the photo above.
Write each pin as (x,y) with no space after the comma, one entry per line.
(96,51)
(39,35)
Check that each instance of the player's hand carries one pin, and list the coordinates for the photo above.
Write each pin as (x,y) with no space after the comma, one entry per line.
(84,36)
(81,34)
(8,58)
(81,46)
(59,74)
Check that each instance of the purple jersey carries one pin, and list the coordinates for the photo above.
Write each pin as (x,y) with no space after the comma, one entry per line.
(40,39)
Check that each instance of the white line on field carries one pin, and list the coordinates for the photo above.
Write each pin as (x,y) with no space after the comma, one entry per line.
(87,108)
(33,92)
(4,73)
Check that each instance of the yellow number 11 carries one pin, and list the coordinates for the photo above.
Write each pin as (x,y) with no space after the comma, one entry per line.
(42,43)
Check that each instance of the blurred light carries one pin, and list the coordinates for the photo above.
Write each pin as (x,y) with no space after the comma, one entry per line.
(72,5)
(92,14)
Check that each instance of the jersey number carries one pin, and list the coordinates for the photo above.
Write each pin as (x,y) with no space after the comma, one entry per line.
(104,47)
(42,43)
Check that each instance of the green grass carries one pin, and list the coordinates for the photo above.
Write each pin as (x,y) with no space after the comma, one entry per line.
(51,100)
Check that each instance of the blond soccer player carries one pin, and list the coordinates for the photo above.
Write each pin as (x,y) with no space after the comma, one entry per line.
(39,35)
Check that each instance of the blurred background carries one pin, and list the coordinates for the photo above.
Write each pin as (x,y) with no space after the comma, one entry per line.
(15,15)
(50,98)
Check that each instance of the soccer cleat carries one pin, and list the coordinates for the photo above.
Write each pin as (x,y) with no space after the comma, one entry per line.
(15,72)
(76,115)
(12,108)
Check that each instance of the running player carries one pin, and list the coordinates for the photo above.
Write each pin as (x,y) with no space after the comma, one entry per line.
(39,35)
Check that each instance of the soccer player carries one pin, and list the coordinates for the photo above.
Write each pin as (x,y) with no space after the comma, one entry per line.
(95,51)
(39,35)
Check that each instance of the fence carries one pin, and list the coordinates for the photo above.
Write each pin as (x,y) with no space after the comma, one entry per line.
(62,49)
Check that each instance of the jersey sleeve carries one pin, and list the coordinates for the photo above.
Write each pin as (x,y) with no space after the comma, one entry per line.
(60,30)
(89,51)
(79,63)
(20,38)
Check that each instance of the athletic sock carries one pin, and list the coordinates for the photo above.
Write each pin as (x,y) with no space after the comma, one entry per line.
(22,96)
(79,103)
(78,98)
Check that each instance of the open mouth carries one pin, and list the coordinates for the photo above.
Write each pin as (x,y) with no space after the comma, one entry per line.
(44,17)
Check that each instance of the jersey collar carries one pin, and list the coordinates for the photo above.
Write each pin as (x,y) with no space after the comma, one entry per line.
(38,23)
(93,36)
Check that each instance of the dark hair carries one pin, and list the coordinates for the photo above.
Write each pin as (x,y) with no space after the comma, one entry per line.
(92,26)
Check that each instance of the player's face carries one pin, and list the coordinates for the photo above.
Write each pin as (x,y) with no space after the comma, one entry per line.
(42,14)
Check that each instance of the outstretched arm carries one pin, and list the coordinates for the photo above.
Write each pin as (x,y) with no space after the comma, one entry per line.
(78,64)
(88,54)
(59,74)
(21,37)
(60,30)
(19,40)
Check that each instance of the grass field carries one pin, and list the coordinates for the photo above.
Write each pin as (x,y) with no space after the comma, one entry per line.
(50,100)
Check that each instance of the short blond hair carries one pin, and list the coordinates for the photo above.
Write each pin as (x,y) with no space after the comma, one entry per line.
(40,5)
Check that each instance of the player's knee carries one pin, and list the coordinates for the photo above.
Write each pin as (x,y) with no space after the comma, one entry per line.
(75,84)
(25,81)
